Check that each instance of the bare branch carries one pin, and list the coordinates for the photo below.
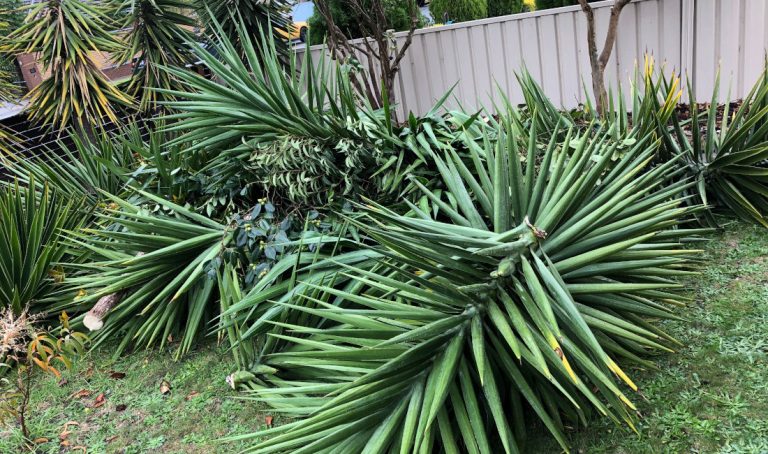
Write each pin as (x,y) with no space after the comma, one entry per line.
(613,25)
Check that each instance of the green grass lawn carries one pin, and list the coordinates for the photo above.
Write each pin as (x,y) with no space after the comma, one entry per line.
(709,397)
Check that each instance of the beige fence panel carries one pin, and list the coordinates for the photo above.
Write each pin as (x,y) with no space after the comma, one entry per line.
(481,57)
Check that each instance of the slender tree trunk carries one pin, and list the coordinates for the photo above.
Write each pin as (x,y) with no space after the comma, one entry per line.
(598,63)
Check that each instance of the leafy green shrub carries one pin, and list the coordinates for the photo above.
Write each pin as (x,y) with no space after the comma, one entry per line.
(520,288)
(31,244)
(458,10)
(504,7)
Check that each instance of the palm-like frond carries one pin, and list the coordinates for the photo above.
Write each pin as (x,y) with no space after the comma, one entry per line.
(162,266)
(159,33)
(64,33)
(300,133)
(522,294)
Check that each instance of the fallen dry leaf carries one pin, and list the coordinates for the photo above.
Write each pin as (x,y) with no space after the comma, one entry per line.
(64,443)
(80,394)
(110,439)
(62,382)
(120,407)
(39,441)
(100,400)
(269,420)
(192,395)
(116,375)
(165,387)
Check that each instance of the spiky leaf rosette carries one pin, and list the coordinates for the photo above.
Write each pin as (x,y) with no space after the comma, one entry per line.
(65,33)
(159,35)
(728,163)
(31,243)
(535,278)
(162,266)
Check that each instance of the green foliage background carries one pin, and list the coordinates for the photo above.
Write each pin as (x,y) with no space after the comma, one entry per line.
(458,10)
(504,7)
(398,19)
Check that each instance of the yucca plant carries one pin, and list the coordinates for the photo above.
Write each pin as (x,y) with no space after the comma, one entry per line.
(158,270)
(9,20)
(31,244)
(302,134)
(158,35)
(538,107)
(518,299)
(65,33)
(726,159)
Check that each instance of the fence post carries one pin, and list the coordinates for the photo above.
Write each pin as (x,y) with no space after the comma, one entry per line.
(687,42)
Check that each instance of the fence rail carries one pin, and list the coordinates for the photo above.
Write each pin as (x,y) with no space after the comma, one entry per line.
(692,37)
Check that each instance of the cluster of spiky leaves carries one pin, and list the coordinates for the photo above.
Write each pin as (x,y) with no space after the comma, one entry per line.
(158,264)
(158,35)
(31,243)
(728,159)
(66,33)
(301,133)
(520,294)
(82,171)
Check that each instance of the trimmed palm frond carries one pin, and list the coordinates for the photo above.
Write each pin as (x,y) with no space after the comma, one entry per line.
(161,269)
(66,34)
(514,295)
(301,134)
(158,36)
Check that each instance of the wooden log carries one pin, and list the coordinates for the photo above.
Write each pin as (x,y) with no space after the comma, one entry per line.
(94,319)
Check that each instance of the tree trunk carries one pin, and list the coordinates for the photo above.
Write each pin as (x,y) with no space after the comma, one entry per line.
(599,63)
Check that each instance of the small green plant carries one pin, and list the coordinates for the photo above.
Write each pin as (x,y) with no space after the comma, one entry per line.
(30,351)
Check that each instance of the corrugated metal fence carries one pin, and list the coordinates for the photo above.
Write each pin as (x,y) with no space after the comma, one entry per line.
(689,36)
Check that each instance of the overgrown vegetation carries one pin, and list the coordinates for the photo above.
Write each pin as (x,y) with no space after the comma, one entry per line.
(441,284)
